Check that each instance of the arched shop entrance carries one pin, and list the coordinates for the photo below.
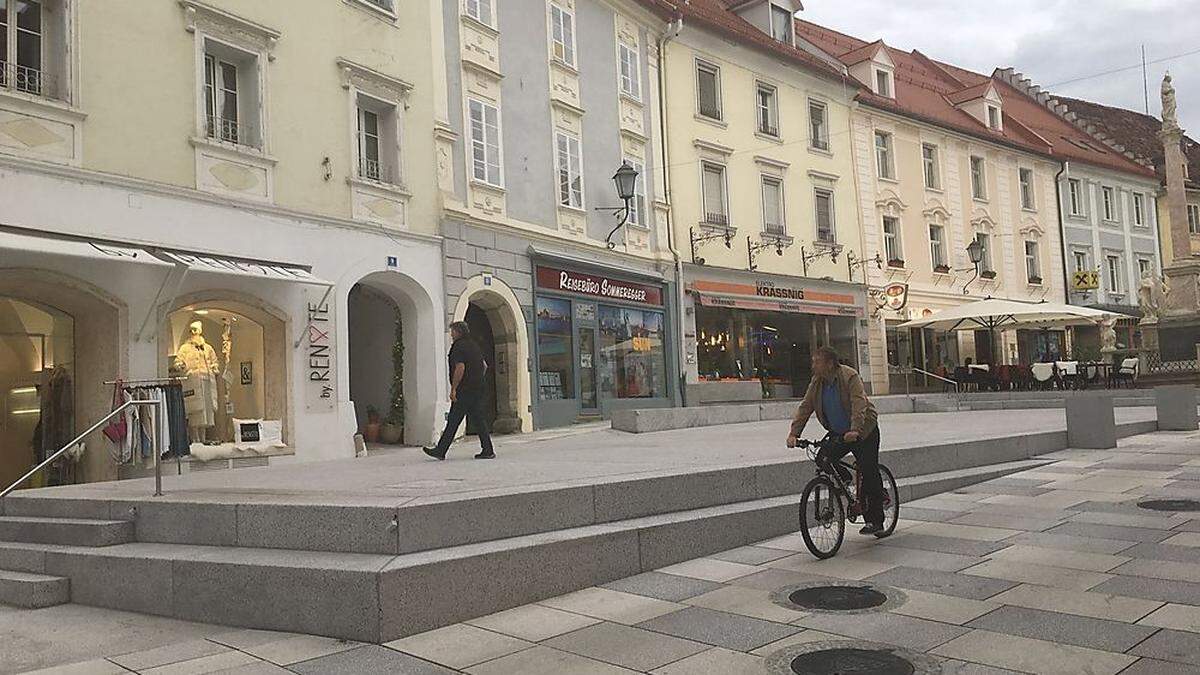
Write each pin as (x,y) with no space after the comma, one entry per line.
(393,360)
(497,324)
(60,339)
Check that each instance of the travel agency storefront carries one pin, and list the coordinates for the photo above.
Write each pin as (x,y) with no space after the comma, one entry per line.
(745,327)
(601,342)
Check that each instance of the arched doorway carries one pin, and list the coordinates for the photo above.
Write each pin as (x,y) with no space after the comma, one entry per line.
(498,323)
(393,358)
(481,331)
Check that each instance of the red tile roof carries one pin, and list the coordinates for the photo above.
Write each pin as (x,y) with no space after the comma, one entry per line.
(928,90)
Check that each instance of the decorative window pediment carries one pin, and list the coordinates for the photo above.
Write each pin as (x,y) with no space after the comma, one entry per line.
(221,24)
(372,82)
(890,204)
(1031,229)
(981,220)
(935,213)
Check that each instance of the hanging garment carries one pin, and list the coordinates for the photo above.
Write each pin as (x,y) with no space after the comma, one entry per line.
(200,399)
(58,412)
(177,418)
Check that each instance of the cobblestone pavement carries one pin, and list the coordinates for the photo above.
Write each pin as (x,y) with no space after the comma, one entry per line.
(1053,570)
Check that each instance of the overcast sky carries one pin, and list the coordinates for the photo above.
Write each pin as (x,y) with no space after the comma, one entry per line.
(1056,43)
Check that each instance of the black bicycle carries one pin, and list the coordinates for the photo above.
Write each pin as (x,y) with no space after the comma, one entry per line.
(828,501)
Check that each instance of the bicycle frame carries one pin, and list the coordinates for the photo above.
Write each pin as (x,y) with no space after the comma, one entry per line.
(831,472)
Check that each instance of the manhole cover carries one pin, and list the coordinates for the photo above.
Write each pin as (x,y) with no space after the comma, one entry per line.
(841,661)
(1170,505)
(838,598)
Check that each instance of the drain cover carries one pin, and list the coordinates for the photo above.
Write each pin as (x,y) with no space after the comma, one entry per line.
(838,597)
(842,661)
(1170,505)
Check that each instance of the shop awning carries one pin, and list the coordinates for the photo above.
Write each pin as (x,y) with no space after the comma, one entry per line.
(777,305)
(994,313)
(271,271)
(26,242)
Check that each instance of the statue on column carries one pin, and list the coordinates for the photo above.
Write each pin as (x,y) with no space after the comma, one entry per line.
(1170,119)
(1108,334)
(1148,297)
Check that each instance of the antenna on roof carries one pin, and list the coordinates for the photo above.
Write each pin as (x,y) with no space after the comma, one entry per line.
(1145,81)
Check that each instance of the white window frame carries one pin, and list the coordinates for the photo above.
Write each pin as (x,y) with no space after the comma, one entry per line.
(978,182)
(893,247)
(1138,204)
(931,167)
(885,87)
(818,193)
(1076,202)
(791,24)
(629,70)
(777,182)
(1113,274)
(986,264)
(707,167)
(994,120)
(1080,260)
(574,196)
(480,135)
(937,246)
(1028,196)
(1108,201)
(771,128)
(1033,262)
(715,70)
(216,94)
(885,156)
(818,135)
(637,205)
(1193,212)
(480,10)
(1144,265)
(562,34)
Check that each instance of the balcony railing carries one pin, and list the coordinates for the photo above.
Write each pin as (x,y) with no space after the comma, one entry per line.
(228,131)
(710,111)
(718,219)
(776,229)
(374,170)
(24,79)
(768,129)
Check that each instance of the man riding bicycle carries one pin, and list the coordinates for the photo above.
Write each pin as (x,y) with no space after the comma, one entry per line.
(837,396)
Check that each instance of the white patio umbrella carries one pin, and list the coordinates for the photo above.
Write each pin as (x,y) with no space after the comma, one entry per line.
(993,313)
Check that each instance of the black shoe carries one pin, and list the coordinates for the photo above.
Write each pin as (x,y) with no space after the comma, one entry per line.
(486,455)
(871,528)
(432,452)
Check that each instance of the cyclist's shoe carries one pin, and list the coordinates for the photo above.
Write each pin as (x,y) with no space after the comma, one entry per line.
(872,528)
(854,511)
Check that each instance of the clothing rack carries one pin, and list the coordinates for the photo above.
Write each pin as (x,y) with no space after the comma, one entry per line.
(155,383)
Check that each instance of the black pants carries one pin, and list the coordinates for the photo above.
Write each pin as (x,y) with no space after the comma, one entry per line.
(466,406)
(866,456)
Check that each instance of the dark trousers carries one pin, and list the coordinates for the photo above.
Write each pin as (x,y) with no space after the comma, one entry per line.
(472,407)
(866,456)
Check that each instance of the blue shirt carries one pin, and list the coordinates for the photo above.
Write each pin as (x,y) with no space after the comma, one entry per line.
(836,415)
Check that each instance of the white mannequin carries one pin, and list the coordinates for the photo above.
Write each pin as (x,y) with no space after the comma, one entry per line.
(199,361)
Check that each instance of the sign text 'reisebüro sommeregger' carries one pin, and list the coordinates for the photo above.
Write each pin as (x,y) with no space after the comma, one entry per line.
(602,287)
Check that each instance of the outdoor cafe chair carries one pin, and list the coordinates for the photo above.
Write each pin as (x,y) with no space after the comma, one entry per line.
(1127,372)
(1043,374)
(1068,373)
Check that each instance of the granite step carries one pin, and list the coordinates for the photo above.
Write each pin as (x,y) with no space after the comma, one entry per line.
(33,591)
(72,531)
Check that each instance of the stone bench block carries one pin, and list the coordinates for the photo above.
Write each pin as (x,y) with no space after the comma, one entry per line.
(1091,423)
(724,392)
(665,419)
(1176,404)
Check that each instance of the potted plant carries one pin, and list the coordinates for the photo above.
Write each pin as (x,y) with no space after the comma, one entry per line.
(393,425)
(371,430)
(988,274)
(942,269)
(1036,281)
(896,263)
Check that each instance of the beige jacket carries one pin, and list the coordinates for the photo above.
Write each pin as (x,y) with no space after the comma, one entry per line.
(863,417)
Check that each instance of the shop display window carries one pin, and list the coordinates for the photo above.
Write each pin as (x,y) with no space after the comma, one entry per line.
(632,361)
(556,355)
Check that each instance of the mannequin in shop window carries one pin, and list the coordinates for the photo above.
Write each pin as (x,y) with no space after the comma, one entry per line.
(196,359)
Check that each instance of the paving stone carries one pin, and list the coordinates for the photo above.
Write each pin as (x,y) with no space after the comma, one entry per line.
(1067,542)
(1161,569)
(751,555)
(624,646)
(94,667)
(1028,573)
(1019,490)
(1091,562)
(1118,532)
(1127,520)
(161,656)
(1000,520)
(205,664)
(1032,656)
(952,667)
(1164,590)
(533,622)
(838,568)
(368,660)
(963,531)
(1171,645)
(803,637)
(946,583)
(944,608)
(459,646)
(249,637)
(1082,603)
(771,579)
(710,570)
(1175,616)
(721,629)
(896,555)
(788,542)
(671,587)
(750,602)
(905,631)
(1189,539)
(299,648)
(1188,526)
(1163,551)
(610,605)
(930,515)
(926,542)
(546,661)
(1146,666)
(1071,629)
(715,660)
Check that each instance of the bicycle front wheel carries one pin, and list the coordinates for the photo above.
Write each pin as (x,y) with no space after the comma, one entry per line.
(891,501)
(822,518)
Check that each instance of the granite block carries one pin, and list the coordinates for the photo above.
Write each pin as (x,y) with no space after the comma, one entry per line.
(425,526)
(134,584)
(352,529)
(732,631)
(1071,629)
(180,522)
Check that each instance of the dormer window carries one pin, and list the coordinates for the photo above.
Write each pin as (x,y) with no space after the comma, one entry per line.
(782,24)
(883,83)
(993,117)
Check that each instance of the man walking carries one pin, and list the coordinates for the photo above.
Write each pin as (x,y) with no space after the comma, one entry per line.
(837,396)
(467,369)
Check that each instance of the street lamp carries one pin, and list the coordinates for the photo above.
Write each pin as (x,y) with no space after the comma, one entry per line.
(626,181)
(975,253)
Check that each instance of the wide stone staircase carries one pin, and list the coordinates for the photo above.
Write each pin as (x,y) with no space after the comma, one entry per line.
(329,566)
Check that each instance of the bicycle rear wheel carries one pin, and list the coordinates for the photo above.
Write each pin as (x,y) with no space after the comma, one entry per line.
(822,518)
(891,501)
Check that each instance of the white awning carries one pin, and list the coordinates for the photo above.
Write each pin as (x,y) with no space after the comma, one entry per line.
(14,243)
(271,271)
(995,313)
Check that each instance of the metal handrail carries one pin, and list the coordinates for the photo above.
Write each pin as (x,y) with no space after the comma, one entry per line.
(937,377)
(159,416)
